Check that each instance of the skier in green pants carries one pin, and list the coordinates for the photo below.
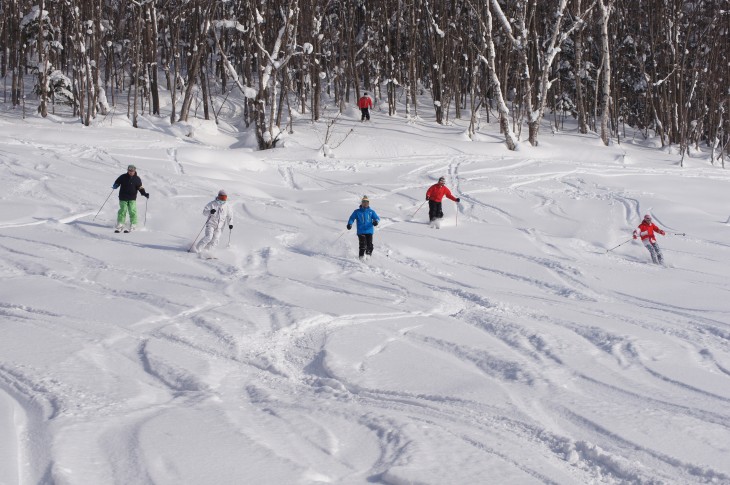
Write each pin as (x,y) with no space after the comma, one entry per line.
(129,184)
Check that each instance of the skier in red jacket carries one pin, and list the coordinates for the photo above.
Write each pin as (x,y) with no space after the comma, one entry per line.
(646,231)
(434,196)
(365,104)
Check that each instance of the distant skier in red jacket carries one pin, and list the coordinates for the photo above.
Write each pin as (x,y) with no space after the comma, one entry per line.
(365,104)
(434,196)
(646,231)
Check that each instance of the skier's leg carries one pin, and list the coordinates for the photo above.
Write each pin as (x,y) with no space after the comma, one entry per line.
(369,244)
(121,214)
(652,252)
(659,254)
(216,237)
(207,237)
(432,210)
(367,113)
(133,213)
(440,210)
(362,243)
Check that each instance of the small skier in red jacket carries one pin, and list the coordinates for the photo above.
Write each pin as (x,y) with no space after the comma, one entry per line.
(434,196)
(365,104)
(646,231)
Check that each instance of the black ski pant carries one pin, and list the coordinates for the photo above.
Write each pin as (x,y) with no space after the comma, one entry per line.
(365,114)
(366,244)
(434,210)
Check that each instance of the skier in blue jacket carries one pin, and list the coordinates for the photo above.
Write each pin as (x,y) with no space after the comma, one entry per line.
(366,220)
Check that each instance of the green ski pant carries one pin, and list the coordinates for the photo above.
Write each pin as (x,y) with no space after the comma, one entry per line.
(124,206)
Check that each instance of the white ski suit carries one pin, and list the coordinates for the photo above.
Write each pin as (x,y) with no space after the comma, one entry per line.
(217,221)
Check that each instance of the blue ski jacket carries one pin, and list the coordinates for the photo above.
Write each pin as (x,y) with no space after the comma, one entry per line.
(364,217)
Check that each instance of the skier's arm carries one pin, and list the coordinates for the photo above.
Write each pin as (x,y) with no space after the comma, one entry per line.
(352,218)
(207,208)
(448,195)
(117,182)
(656,228)
(376,218)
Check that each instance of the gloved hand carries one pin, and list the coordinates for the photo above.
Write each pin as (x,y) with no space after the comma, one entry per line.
(426,197)
(212,211)
(662,232)
(147,194)
(115,186)
(458,200)
(634,236)
(349,226)
(375,223)
(230,226)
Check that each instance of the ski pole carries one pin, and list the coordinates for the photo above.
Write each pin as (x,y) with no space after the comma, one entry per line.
(677,233)
(341,234)
(229,235)
(608,251)
(102,205)
(145,212)
(456,214)
(201,230)
(414,214)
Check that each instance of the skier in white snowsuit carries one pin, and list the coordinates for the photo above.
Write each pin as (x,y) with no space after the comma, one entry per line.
(219,216)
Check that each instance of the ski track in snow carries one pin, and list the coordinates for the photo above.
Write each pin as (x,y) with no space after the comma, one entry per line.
(510,346)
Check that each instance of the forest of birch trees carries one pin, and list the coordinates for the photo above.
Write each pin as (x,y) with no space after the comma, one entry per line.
(659,67)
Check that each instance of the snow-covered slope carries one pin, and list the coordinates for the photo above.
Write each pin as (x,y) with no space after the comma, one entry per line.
(506,347)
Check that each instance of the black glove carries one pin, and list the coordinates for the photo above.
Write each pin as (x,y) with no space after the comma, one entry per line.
(147,194)
(458,200)
(426,197)
(212,211)
(349,226)
(230,226)
(375,223)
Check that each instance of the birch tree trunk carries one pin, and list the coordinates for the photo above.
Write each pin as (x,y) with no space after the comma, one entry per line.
(519,45)
(172,63)
(151,55)
(202,17)
(548,56)
(605,9)
(282,50)
(488,41)
(42,64)
(137,61)
(579,71)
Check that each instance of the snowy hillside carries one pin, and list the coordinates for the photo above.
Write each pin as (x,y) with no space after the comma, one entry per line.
(507,347)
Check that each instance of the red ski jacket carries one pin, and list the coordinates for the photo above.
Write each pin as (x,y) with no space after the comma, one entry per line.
(436,193)
(646,231)
(365,102)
